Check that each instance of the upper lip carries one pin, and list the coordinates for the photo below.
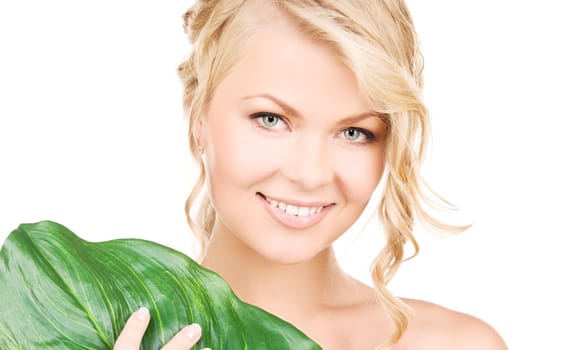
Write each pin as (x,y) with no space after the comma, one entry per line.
(296,202)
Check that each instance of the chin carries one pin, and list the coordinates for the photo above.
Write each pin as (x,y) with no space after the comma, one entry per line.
(287,255)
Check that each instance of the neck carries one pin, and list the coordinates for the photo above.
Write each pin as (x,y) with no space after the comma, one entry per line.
(290,291)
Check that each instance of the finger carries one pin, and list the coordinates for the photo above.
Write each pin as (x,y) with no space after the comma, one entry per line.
(133,331)
(185,339)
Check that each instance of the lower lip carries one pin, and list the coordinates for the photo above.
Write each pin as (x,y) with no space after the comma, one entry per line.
(293,221)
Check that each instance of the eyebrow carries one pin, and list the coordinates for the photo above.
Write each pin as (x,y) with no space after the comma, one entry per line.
(288,109)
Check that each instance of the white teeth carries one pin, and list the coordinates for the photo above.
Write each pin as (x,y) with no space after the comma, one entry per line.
(293,209)
(303,211)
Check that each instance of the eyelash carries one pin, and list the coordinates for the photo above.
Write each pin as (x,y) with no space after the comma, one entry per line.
(369,136)
(259,118)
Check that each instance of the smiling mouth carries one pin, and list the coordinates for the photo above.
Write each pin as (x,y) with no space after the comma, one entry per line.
(291,209)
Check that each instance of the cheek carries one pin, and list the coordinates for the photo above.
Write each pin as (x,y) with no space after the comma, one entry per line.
(360,173)
(238,157)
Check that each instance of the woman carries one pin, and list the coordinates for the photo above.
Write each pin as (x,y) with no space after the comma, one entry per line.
(298,109)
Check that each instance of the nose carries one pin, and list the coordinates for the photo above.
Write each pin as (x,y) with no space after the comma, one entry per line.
(309,163)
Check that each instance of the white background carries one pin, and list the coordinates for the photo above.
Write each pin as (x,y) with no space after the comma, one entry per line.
(92,136)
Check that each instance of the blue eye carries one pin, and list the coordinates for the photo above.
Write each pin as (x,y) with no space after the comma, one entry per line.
(352,134)
(358,135)
(269,120)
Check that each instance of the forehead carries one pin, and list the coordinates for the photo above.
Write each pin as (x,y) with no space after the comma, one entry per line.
(279,60)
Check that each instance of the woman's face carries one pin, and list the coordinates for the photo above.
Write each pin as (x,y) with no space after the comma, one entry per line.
(291,151)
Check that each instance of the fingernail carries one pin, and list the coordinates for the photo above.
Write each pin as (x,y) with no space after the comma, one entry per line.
(142,314)
(193,331)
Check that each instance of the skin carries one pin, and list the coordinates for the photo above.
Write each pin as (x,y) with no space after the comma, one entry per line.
(307,149)
(136,325)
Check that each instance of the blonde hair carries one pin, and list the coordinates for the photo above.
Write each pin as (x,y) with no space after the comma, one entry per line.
(377,41)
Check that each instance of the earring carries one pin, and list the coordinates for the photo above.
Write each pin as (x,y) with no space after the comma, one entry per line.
(199,147)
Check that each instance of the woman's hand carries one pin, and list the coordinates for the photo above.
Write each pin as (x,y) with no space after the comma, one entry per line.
(134,329)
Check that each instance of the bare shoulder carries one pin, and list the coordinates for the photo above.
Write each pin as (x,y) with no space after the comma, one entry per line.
(436,327)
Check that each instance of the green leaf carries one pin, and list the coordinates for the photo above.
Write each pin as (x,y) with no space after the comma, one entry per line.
(58,291)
